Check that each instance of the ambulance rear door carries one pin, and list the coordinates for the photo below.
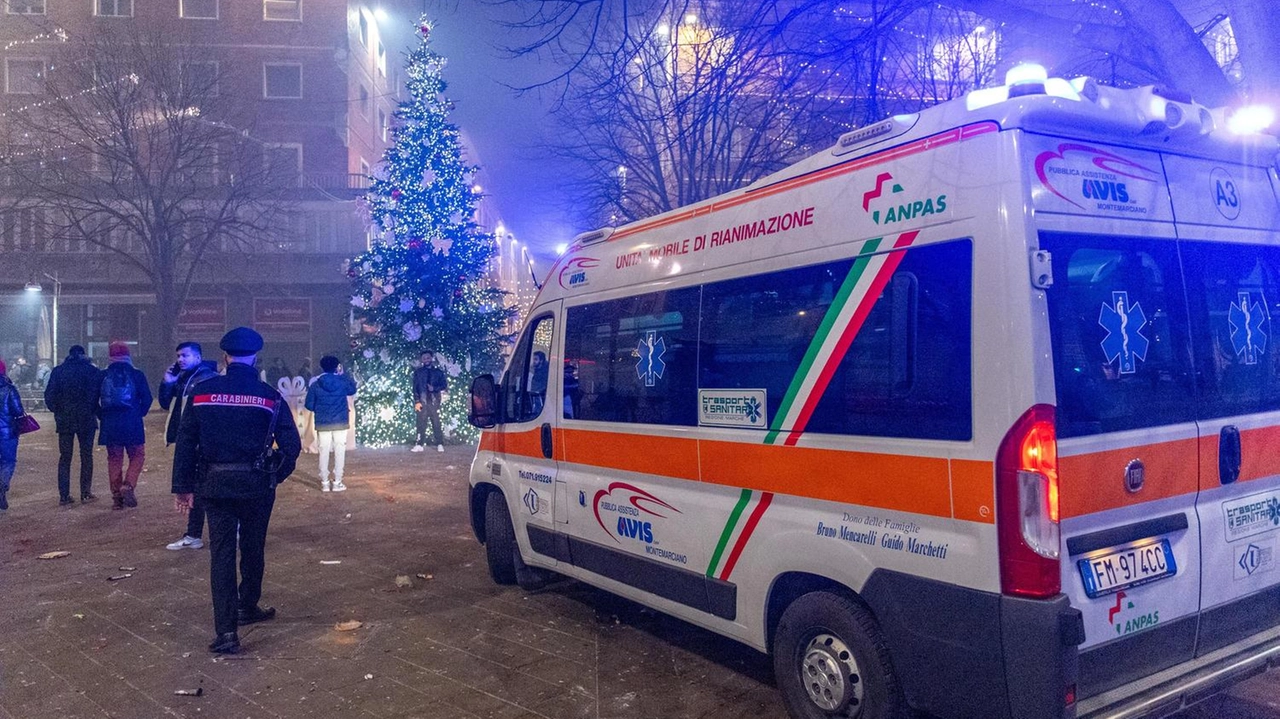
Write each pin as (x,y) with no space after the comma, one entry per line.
(1125,393)
(1227,222)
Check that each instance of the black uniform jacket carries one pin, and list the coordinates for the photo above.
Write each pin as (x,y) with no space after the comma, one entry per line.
(224,429)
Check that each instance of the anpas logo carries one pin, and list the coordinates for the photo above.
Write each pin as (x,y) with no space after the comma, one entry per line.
(633,506)
(574,273)
(1104,180)
(899,211)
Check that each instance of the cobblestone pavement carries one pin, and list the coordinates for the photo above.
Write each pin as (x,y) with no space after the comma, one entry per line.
(73,643)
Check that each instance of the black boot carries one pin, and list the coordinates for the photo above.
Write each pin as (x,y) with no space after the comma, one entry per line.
(228,643)
(64,501)
(253,615)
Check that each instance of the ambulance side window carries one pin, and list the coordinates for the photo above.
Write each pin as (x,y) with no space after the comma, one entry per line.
(906,372)
(1234,291)
(525,388)
(635,359)
(1120,334)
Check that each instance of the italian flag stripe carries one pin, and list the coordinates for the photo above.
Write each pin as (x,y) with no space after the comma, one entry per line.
(745,536)
(728,531)
(845,317)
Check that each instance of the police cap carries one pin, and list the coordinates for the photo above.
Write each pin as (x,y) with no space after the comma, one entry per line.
(241,342)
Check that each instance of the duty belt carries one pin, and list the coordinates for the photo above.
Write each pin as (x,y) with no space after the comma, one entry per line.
(229,467)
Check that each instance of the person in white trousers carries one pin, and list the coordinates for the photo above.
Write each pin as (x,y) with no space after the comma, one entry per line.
(327,400)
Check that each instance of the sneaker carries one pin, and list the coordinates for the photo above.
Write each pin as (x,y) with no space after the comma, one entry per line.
(439,447)
(186,542)
(416,448)
(129,499)
(88,497)
(64,501)
(117,503)
(324,486)
(339,487)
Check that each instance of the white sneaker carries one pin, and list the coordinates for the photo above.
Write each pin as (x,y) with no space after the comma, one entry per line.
(186,543)
(339,487)
(439,447)
(416,448)
(324,486)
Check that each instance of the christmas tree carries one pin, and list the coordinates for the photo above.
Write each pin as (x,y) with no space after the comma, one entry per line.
(422,284)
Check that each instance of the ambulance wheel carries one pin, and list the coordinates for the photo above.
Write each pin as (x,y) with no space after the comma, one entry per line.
(500,547)
(831,662)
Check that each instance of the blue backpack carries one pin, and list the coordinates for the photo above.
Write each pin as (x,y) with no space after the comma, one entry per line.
(117,389)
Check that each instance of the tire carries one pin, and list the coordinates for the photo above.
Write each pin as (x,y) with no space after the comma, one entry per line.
(832,663)
(500,547)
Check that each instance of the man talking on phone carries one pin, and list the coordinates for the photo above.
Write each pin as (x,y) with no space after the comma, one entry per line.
(189,370)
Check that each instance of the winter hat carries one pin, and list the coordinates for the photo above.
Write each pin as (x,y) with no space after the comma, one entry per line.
(118,351)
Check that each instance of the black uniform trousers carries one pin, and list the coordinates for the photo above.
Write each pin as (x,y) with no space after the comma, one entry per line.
(250,516)
(430,413)
(195,518)
(66,446)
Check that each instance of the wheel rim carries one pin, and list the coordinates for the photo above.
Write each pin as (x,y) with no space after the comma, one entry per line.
(831,676)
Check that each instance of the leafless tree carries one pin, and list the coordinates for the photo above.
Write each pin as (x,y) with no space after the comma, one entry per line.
(667,102)
(127,144)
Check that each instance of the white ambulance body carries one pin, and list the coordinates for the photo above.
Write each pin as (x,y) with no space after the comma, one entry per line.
(977,412)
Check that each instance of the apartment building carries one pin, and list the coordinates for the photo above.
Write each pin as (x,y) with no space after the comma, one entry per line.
(321,77)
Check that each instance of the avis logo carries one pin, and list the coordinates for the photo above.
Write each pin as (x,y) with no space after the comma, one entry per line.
(633,507)
(907,209)
(1104,182)
(574,272)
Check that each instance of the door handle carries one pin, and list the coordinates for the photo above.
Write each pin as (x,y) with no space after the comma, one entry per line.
(1229,454)
(546,440)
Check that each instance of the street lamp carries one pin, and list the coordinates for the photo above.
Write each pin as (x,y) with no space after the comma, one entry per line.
(34,286)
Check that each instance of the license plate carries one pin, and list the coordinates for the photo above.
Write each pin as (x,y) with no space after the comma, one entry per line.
(1111,570)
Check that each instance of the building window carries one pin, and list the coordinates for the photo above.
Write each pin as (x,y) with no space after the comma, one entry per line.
(282,10)
(364,29)
(364,168)
(382,59)
(25,7)
(364,101)
(198,9)
(113,8)
(282,81)
(200,79)
(23,76)
(382,124)
(283,163)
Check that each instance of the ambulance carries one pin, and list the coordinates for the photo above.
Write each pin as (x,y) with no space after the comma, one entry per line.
(976,413)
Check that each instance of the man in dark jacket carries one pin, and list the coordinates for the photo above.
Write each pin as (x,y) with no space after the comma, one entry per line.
(189,370)
(72,396)
(124,398)
(327,399)
(228,426)
(428,383)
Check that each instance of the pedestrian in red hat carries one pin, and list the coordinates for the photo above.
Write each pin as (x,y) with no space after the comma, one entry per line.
(124,398)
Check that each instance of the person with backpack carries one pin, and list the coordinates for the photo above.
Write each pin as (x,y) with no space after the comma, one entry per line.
(72,396)
(327,399)
(124,398)
(10,411)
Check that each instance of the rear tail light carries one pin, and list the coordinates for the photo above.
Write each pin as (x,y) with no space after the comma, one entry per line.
(1027,506)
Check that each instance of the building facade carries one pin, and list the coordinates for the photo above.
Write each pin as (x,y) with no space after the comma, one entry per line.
(322,82)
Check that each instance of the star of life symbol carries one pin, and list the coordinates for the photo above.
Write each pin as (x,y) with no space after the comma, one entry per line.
(1248,328)
(753,410)
(1124,341)
(651,366)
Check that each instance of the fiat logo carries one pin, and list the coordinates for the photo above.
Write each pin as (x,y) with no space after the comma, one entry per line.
(1134,475)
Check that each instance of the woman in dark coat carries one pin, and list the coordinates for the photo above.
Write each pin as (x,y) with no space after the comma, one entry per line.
(10,411)
(123,400)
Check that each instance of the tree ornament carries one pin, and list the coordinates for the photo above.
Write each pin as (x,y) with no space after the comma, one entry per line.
(406,304)
(442,245)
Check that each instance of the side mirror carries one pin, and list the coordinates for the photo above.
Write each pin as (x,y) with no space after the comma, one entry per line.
(484,402)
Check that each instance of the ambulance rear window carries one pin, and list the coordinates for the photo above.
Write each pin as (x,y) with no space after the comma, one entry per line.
(1119,328)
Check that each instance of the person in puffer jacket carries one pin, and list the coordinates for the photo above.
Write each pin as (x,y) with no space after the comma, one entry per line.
(10,411)
(327,399)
